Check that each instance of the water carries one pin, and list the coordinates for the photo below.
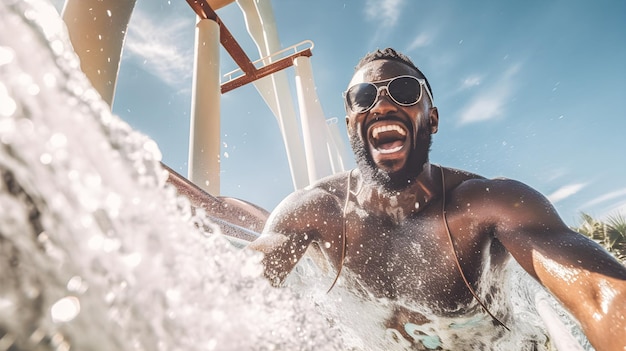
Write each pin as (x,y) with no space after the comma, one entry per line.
(98,253)
(517,300)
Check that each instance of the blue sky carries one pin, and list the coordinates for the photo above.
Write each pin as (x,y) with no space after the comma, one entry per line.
(533,90)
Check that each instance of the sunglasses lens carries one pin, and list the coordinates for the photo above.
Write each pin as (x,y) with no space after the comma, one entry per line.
(361,97)
(405,90)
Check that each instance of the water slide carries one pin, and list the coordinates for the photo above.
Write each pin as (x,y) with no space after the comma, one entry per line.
(237,218)
(97,30)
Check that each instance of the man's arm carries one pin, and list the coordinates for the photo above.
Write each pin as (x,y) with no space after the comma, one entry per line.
(580,273)
(299,220)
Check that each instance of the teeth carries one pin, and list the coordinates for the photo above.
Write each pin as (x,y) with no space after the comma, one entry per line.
(388,128)
(390,151)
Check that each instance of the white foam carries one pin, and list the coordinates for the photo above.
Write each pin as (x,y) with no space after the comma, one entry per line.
(96,252)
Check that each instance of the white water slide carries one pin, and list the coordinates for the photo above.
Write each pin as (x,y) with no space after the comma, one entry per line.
(320,152)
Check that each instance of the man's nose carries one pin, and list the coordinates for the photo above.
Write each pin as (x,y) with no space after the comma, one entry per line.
(384,104)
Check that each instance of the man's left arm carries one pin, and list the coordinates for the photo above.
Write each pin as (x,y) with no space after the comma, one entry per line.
(588,280)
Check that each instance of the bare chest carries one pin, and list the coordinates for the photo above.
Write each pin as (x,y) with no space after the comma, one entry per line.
(410,259)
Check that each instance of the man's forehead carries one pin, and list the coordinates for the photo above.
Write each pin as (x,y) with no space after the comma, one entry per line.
(380,70)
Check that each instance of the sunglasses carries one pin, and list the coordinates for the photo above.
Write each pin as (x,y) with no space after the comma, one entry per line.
(403,90)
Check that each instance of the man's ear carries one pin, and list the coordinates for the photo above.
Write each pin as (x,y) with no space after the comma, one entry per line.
(433,119)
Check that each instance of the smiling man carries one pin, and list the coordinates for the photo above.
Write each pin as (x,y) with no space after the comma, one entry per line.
(428,241)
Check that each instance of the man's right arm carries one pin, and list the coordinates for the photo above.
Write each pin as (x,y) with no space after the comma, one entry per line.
(296,222)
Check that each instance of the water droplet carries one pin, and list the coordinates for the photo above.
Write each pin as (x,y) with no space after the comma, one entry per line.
(65,309)
(7,104)
(76,284)
(6,55)
(45,158)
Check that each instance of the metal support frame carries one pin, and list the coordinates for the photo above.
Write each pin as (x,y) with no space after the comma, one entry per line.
(251,73)
(204,127)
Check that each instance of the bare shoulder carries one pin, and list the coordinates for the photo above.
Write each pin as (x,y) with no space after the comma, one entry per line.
(329,189)
(303,217)
(501,201)
(454,177)
(301,209)
(498,192)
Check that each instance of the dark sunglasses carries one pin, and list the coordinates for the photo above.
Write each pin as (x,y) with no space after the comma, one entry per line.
(403,90)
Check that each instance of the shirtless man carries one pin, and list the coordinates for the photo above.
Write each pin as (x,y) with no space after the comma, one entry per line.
(414,233)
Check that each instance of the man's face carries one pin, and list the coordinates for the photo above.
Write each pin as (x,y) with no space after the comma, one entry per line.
(390,141)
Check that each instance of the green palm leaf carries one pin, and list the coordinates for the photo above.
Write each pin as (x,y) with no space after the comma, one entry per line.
(611,234)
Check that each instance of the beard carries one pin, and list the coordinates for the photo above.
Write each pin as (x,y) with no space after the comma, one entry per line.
(418,157)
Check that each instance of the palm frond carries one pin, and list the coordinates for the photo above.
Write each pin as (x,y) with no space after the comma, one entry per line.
(611,233)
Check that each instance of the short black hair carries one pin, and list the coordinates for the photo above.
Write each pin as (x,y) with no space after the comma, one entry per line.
(393,55)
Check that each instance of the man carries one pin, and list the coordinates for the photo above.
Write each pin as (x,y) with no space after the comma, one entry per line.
(422,237)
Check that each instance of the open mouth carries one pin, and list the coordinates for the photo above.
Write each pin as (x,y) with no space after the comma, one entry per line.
(387,136)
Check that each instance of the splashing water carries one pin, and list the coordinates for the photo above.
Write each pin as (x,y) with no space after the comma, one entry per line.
(537,321)
(98,253)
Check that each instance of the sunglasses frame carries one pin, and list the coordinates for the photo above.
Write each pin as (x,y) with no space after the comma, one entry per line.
(422,83)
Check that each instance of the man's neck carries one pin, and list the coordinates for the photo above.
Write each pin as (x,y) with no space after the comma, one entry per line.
(398,203)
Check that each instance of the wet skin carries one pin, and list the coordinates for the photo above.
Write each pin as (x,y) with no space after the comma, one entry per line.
(401,251)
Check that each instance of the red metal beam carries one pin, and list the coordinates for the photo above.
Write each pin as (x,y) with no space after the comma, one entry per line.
(202,9)
(235,51)
(264,71)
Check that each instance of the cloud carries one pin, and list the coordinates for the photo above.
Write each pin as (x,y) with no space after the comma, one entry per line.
(385,12)
(490,103)
(422,40)
(614,202)
(606,197)
(619,208)
(158,46)
(565,192)
(471,81)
